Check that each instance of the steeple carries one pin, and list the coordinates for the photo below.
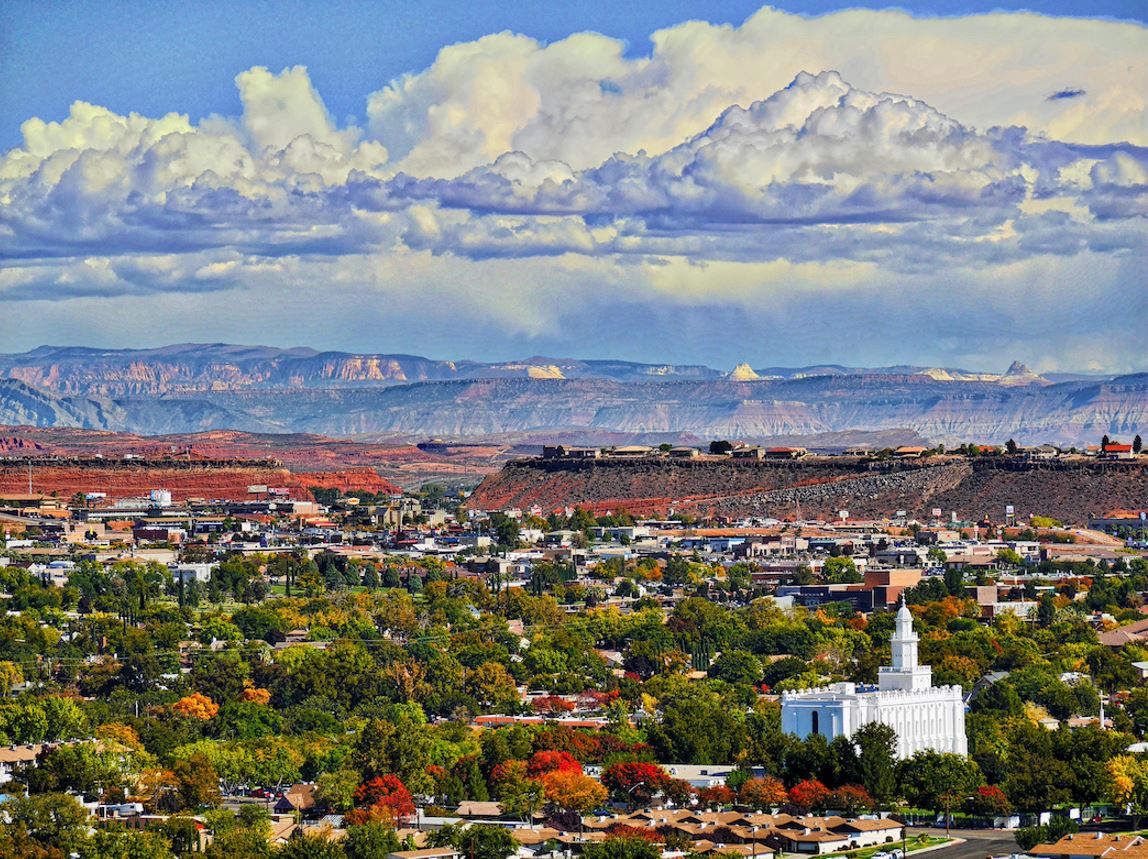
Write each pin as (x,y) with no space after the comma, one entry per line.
(906,673)
(904,641)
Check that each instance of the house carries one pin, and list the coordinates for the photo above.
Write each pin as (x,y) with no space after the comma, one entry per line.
(747,452)
(426,853)
(559,451)
(1094,845)
(909,452)
(298,797)
(785,452)
(13,758)
(1117,451)
(476,809)
(631,451)
(1131,633)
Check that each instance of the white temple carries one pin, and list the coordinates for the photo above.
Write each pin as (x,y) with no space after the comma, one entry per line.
(923,715)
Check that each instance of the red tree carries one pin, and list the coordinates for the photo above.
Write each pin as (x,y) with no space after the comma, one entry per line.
(386,792)
(544,762)
(552,704)
(635,782)
(852,799)
(808,795)
(716,795)
(988,800)
(624,830)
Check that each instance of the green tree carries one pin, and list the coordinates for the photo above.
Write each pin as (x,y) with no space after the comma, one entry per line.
(111,844)
(307,846)
(622,848)
(841,571)
(370,841)
(478,841)
(876,761)
(52,821)
(737,666)
(939,780)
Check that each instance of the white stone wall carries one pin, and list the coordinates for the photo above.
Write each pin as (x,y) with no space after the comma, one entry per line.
(925,719)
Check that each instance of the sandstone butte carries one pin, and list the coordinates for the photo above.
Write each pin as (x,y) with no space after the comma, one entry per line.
(197,480)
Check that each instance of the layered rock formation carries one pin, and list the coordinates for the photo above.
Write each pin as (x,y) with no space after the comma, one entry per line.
(256,389)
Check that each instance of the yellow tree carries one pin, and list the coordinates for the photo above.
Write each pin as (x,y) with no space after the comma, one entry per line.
(10,676)
(195,706)
(255,695)
(1128,782)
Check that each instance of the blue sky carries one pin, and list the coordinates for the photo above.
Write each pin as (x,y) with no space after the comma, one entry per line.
(958,183)
(152,56)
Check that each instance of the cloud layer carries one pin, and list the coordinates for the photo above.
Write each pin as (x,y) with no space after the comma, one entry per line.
(540,187)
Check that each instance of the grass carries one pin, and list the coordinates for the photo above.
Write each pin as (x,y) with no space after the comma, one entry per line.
(913,843)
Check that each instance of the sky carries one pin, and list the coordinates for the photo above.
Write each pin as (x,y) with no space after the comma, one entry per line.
(945,183)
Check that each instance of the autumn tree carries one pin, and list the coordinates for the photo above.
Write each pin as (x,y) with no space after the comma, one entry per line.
(716,796)
(197,780)
(548,761)
(386,792)
(195,706)
(762,792)
(1127,783)
(988,800)
(850,800)
(634,783)
(516,791)
(572,791)
(808,795)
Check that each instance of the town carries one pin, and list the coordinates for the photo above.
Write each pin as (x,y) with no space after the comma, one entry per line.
(405,674)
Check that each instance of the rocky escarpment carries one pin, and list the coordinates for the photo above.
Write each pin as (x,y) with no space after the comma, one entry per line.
(224,479)
(819,488)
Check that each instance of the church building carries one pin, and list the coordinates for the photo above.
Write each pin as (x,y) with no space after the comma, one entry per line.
(923,715)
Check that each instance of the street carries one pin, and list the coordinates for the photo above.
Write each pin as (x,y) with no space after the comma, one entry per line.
(979,843)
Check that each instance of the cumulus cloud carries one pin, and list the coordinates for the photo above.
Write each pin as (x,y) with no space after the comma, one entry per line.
(581,99)
(534,184)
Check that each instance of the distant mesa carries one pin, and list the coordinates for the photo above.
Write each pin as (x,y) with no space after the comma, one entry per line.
(743,373)
(183,389)
(1016,374)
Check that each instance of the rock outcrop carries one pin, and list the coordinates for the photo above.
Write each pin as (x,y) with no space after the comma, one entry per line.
(1069,490)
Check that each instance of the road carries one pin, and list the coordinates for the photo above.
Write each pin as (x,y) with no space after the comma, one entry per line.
(979,843)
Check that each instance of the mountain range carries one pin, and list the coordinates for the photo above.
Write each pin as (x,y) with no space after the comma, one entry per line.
(196,387)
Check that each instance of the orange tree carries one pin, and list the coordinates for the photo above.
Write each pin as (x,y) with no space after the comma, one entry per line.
(572,791)
(763,792)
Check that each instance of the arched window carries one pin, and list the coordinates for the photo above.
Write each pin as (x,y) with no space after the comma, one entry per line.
(816,718)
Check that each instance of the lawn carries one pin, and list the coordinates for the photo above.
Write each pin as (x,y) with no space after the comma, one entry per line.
(914,843)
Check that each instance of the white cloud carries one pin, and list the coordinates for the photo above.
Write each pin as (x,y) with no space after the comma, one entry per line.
(535,189)
(580,100)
